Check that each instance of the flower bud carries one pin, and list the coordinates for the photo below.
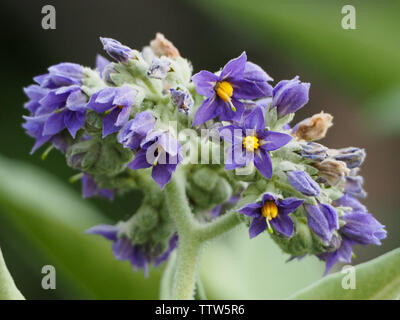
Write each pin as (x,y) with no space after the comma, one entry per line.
(182,100)
(353,157)
(288,96)
(322,219)
(161,46)
(332,171)
(302,182)
(313,128)
(314,151)
(159,68)
(116,50)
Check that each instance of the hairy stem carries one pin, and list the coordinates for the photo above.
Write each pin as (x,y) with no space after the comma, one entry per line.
(219,226)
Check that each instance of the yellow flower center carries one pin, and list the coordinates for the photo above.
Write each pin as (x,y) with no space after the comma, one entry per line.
(269,210)
(250,143)
(224,91)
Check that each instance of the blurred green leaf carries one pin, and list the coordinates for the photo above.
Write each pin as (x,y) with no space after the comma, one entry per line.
(235,267)
(377,279)
(8,290)
(51,220)
(310,32)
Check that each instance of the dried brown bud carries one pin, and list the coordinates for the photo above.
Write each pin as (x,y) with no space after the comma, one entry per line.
(313,128)
(332,171)
(161,46)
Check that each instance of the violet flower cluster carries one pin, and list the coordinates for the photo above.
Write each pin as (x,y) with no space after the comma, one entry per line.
(121,125)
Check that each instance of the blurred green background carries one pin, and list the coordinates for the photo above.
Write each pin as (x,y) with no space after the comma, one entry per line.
(355,75)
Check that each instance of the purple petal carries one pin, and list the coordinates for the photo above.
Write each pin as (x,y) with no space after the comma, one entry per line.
(161,174)
(235,67)
(255,120)
(140,161)
(102,100)
(122,249)
(226,113)
(232,134)
(271,140)
(209,109)
(349,201)
(255,73)
(252,209)
(54,124)
(283,224)
(257,226)
(105,230)
(205,82)
(262,162)
(74,121)
(123,116)
(125,96)
(76,101)
(289,205)
(101,63)
(109,121)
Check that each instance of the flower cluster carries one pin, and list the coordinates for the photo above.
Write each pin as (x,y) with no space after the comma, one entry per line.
(122,125)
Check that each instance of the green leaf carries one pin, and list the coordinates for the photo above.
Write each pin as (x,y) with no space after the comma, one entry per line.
(378,279)
(8,290)
(50,220)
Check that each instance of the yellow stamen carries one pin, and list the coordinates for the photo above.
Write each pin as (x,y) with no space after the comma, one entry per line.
(224,91)
(269,210)
(250,143)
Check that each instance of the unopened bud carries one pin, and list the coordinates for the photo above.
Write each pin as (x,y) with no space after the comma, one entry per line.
(161,46)
(313,128)
(332,171)
(353,157)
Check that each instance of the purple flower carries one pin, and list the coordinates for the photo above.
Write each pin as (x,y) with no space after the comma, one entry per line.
(359,228)
(56,103)
(250,142)
(90,189)
(139,255)
(239,79)
(322,219)
(117,103)
(135,130)
(160,151)
(302,182)
(271,211)
(116,50)
(289,96)
(71,111)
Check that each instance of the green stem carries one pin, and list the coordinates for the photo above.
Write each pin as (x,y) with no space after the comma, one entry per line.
(167,279)
(189,247)
(191,234)
(8,289)
(217,227)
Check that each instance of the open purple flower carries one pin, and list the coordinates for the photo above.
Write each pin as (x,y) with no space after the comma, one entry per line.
(55,103)
(250,142)
(160,151)
(303,183)
(289,96)
(117,50)
(239,79)
(117,103)
(271,212)
(70,113)
(90,189)
(135,130)
(139,255)
(359,228)
(322,219)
